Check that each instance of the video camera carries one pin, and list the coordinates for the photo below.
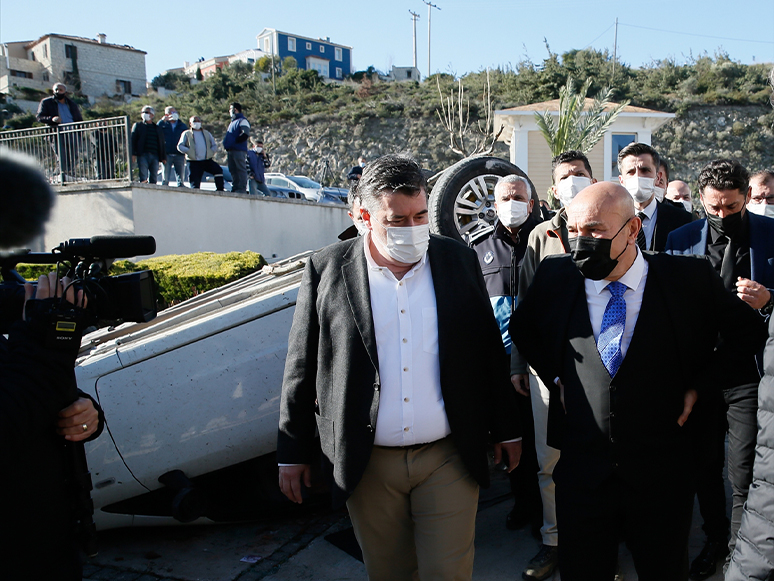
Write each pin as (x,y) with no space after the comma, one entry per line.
(110,299)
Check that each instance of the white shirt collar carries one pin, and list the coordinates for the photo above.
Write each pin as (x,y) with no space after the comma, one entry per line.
(631,277)
(650,208)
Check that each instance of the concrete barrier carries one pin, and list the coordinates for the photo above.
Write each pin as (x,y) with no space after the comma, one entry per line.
(184,221)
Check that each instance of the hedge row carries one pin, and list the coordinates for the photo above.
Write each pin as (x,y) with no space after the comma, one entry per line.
(178,276)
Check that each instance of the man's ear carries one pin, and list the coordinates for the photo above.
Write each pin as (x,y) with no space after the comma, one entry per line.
(366,217)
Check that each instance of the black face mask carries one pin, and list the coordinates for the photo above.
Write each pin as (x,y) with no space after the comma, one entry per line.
(728,226)
(592,255)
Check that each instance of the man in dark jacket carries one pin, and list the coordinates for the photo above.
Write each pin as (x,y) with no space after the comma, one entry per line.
(55,111)
(173,128)
(257,162)
(500,253)
(235,143)
(148,147)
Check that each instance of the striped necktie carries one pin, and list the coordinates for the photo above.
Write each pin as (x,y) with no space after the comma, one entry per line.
(641,241)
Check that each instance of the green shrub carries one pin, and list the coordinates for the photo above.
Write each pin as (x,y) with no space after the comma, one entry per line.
(178,277)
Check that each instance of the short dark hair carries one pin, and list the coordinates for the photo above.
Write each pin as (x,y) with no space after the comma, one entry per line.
(665,164)
(396,173)
(637,149)
(567,157)
(237,106)
(724,174)
(764,176)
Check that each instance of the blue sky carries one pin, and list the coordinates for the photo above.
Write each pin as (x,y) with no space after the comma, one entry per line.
(467,35)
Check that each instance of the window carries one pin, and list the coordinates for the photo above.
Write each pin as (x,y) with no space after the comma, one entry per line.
(45,50)
(619,141)
(45,77)
(337,54)
(20,74)
(71,51)
(266,44)
(32,55)
(322,48)
(123,87)
(408,74)
(338,72)
(308,46)
(291,44)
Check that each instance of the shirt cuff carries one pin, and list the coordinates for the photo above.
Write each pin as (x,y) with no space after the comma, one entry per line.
(278,464)
(509,441)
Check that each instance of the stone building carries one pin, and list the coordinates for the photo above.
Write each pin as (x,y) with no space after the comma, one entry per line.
(92,67)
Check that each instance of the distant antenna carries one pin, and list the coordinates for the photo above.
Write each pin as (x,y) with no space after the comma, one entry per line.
(430,6)
(414,18)
(615,49)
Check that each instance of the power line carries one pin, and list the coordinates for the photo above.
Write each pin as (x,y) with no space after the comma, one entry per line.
(600,36)
(701,35)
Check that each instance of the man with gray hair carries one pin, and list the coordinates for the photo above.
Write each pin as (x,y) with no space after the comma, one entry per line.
(500,253)
(148,148)
(173,129)
(378,364)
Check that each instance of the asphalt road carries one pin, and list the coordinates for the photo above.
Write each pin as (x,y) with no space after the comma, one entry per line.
(300,547)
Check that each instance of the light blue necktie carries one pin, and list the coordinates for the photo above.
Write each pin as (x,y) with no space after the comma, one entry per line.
(611,333)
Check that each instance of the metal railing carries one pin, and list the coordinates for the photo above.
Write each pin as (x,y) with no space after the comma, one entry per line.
(85,151)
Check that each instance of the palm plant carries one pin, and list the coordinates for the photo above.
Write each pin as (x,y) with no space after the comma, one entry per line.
(574,128)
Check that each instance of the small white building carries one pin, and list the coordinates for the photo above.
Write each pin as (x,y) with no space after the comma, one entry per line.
(94,67)
(530,152)
(405,74)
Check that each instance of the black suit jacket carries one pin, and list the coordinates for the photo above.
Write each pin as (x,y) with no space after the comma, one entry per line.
(628,424)
(332,371)
(668,218)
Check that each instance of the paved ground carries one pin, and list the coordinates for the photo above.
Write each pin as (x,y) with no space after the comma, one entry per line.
(294,548)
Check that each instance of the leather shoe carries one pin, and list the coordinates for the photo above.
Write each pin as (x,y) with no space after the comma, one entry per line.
(705,564)
(542,565)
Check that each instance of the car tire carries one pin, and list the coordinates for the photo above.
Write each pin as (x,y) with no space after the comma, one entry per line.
(461,203)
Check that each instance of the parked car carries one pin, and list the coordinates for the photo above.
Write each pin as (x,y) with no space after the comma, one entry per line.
(340,193)
(327,198)
(310,188)
(287,193)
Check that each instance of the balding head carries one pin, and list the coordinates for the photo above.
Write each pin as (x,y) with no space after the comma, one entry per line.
(678,191)
(606,210)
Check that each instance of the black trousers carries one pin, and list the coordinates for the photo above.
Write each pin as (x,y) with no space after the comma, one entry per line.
(524,478)
(209,166)
(734,412)
(654,523)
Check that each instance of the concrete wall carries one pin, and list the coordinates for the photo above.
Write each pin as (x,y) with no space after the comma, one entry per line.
(184,221)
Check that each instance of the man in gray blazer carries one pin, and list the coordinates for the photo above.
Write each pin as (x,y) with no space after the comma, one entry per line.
(396,359)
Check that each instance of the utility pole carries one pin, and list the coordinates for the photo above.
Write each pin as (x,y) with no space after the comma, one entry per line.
(615,48)
(415,17)
(430,7)
(273,82)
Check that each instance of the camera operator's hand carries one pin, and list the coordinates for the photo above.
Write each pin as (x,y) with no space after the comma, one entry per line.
(48,287)
(78,421)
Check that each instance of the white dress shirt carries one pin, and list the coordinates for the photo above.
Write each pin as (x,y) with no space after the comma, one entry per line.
(411,406)
(597,298)
(649,222)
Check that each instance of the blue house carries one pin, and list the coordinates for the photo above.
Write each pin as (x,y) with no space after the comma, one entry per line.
(331,60)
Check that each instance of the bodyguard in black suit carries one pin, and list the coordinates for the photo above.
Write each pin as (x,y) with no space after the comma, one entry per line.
(639,169)
(740,247)
(588,325)
(379,364)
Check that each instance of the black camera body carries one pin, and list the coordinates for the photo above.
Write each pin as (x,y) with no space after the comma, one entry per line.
(110,299)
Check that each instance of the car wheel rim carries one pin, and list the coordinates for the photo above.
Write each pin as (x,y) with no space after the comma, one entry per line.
(474,206)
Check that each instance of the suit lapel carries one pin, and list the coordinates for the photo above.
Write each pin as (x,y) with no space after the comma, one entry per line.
(443,286)
(354,271)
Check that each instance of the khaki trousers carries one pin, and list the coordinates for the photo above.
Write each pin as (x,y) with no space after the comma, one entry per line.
(414,514)
(547,458)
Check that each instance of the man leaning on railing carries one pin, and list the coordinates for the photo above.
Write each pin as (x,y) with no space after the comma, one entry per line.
(55,111)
